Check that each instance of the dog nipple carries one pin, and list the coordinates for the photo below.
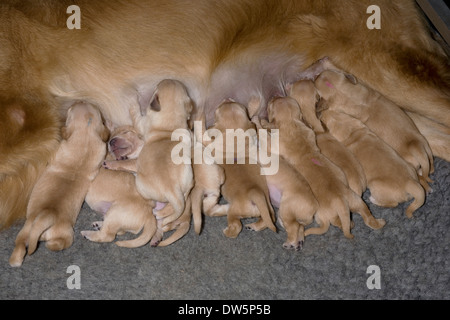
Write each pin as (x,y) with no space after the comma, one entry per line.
(329,84)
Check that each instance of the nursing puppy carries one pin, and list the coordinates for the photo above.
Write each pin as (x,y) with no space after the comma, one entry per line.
(158,178)
(205,195)
(245,189)
(298,146)
(125,143)
(345,94)
(291,194)
(59,193)
(391,179)
(305,94)
(113,193)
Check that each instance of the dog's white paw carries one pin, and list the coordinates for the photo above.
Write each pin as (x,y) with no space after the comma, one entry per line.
(87,234)
(297,246)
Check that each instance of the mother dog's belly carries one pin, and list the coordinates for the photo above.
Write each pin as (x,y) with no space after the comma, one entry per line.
(240,79)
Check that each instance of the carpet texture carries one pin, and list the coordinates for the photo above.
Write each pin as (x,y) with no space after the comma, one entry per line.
(412,255)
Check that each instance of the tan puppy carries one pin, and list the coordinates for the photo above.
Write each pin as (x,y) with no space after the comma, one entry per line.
(114,194)
(59,193)
(158,177)
(327,181)
(205,195)
(291,194)
(245,189)
(391,179)
(125,143)
(343,93)
(304,92)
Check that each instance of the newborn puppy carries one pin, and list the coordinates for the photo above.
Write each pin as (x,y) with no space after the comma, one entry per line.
(306,95)
(114,194)
(298,146)
(58,195)
(125,142)
(387,120)
(291,194)
(245,189)
(205,195)
(389,177)
(158,177)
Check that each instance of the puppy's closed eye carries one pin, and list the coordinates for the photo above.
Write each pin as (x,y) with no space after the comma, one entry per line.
(351,78)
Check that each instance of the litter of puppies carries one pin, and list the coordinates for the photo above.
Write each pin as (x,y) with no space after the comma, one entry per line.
(336,138)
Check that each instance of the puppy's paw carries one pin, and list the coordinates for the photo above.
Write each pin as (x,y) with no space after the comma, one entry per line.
(111,164)
(379,223)
(87,234)
(232,231)
(256,226)
(59,244)
(97,225)
(297,246)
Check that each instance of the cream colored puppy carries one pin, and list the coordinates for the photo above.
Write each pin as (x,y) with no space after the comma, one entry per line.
(390,178)
(158,177)
(305,93)
(59,193)
(125,143)
(343,93)
(298,146)
(245,189)
(114,194)
(291,194)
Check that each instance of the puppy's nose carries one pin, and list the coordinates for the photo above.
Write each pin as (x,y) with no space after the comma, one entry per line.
(112,142)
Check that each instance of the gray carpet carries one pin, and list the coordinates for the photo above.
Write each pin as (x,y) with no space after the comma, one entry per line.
(413,257)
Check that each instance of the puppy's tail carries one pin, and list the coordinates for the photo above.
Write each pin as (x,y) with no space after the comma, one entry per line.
(423,154)
(418,192)
(323,227)
(148,231)
(182,227)
(197,201)
(356,204)
(181,231)
(265,208)
(43,221)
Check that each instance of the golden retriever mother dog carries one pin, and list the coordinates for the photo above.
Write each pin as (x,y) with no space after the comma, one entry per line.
(122,49)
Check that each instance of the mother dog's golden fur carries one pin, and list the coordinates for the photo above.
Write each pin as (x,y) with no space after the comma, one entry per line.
(125,47)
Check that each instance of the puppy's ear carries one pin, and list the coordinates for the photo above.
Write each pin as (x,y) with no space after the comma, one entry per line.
(65,133)
(351,78)
(189,107)
(321,105)
(154,104)
(104,134)
(110,125)
(145,98)
(270,113)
